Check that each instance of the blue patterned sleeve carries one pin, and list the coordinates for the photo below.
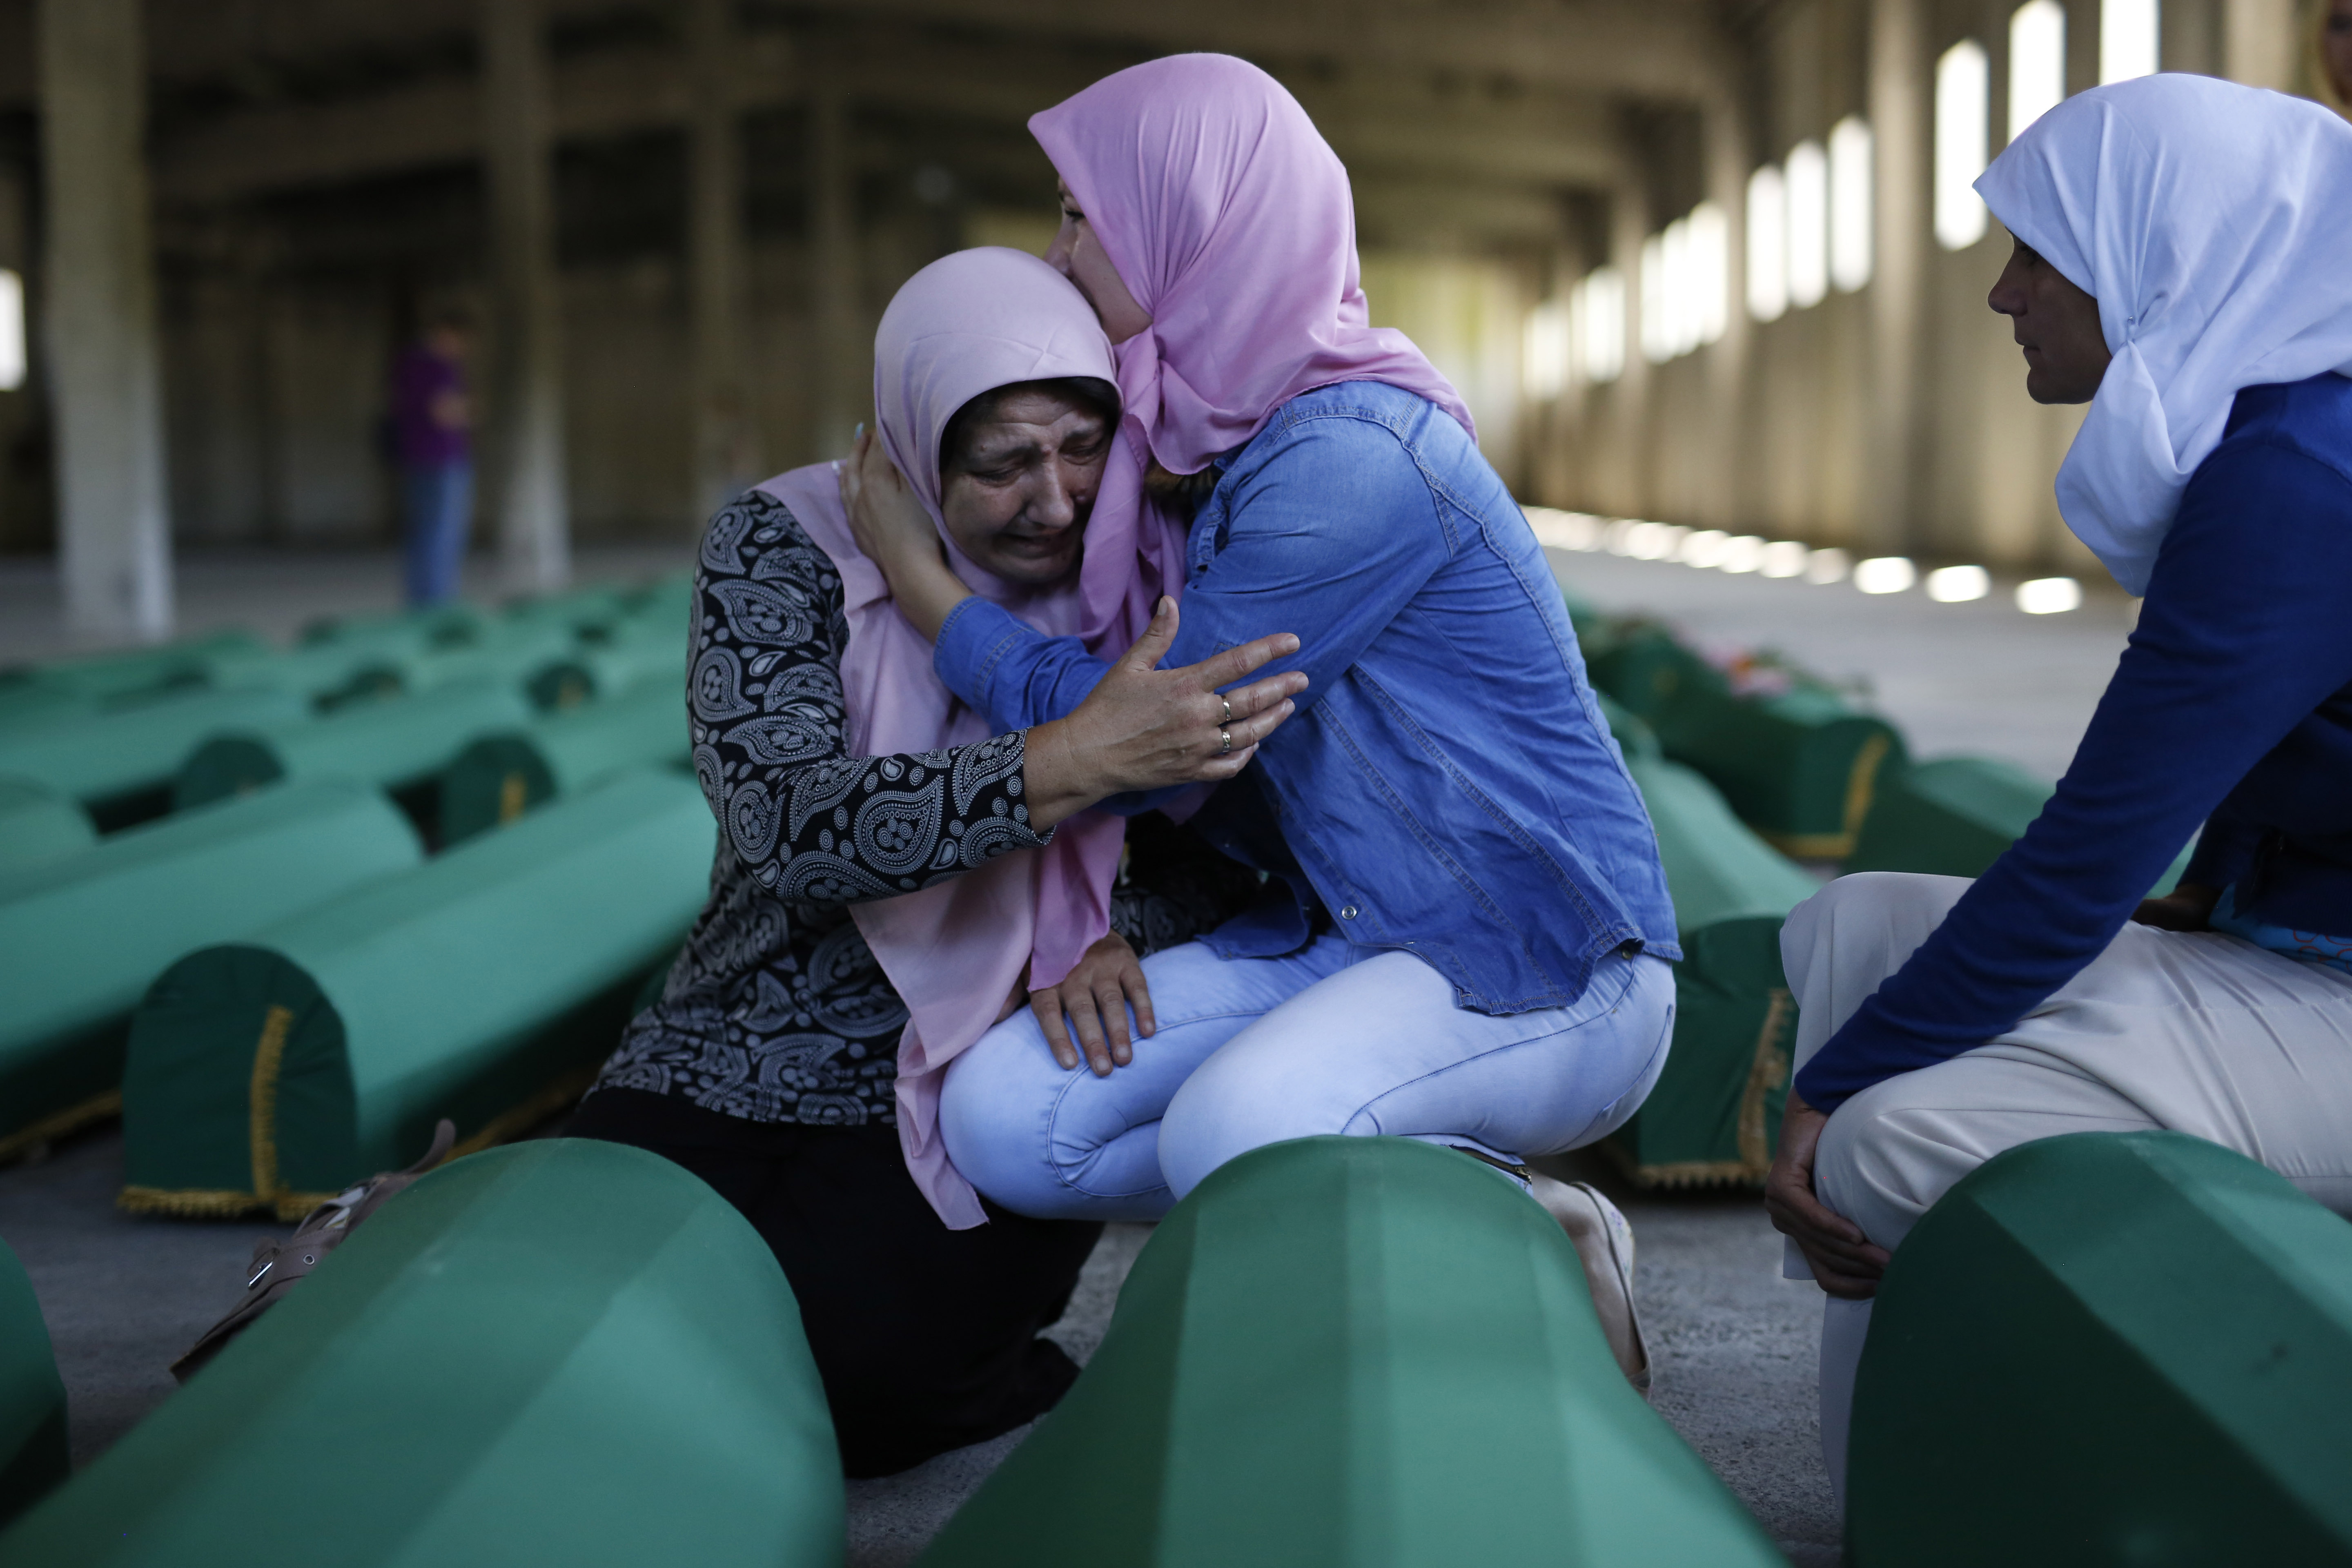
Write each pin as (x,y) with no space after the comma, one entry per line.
(765,708)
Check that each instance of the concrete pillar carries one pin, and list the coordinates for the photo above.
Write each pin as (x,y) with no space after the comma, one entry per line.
(114,524)
(527,405)
(2262,43)
(843,384)
(1727,503)
(726,460)
(1629,440)
(1899,98)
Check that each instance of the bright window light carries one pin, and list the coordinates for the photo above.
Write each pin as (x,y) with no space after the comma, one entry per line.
(1826,566)
(1681,305)
(1653,540)
(1883,575)
(2037,62)
(2128,34)
(1744,552)
(1556,530)
(2050,596)
(1655,345)
(1850,204)
(1808,180)
(1596,316)
(1705,548)
(1783,558)
(1768,245)
(12,331)
(1710,270)
(1962,86)
(1958,584)
(1544,363)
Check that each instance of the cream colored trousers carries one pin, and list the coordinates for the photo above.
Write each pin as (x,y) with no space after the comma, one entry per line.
(2198,1033)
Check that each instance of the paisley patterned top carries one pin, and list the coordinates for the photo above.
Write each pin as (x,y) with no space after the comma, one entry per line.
(777,1010)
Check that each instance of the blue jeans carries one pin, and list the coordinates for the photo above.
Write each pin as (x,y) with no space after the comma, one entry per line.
(436,503)
(1332,1039)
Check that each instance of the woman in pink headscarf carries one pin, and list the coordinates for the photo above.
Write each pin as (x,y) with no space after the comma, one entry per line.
(1472,940)
(895,873)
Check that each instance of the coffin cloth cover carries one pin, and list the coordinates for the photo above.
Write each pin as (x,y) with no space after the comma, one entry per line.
(33,1454)
(84,934)
(565,1352)
(486,986)
(2140,1343)
(1353,1351)
(1715,1115)
(499,777)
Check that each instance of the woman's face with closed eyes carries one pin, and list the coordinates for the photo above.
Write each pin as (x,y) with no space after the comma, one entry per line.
(1077,255)
(1017,490)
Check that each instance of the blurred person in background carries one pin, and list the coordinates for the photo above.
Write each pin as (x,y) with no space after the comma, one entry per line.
(895,874)
(1469,940)
(431,435)
(2180,267)
(2334,46)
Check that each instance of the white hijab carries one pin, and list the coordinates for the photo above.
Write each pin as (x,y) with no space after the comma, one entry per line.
(2213,223)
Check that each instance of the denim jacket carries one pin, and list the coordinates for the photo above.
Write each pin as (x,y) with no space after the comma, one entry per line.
(1447,786)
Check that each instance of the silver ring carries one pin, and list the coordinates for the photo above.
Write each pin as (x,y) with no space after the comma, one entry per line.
(1224,740)
(1229,708)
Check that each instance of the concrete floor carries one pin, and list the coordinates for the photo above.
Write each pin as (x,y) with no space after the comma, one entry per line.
(1732,1343)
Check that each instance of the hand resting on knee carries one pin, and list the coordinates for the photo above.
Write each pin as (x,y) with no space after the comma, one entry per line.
(1843,1260)
(1108,979)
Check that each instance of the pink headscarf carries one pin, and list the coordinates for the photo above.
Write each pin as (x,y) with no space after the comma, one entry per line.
(966,324)
(1228,219)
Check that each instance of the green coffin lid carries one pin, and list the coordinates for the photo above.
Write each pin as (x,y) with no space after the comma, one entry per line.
(2109,1348)
(631,655)
(486,986)
(33,1455)
(500,776)
(565,1352)
(38,823)
(1634,736)
(1802,768)
(1716,1112)
(326,674)
(1953,817)
(99,756)
(84,934)
(105,675)
(396,631)
(1353,1351)
(388,743)
(1647,669)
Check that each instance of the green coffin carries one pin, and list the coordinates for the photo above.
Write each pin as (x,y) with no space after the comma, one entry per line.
(615,660)
(500,776)
(104,757)
(399,631)
(33,1455)
(486,986)
(1344,1352)
(1716,1112)
(38,823)
(1953,817)
(100,676)
(2109,1348)
(566,1352)
(84,934)
(327,675)
(391,744)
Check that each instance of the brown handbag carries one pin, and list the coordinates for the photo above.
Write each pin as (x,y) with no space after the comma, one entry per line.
(278,1266)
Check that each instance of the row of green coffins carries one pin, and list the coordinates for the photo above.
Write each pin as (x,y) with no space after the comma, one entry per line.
(485,986)
(561,1352)
(1337,1350)
(119,756)
(2106,1350)
(33,1452)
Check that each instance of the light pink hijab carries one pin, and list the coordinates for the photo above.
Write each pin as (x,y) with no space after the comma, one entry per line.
(1228,219)
(965,324)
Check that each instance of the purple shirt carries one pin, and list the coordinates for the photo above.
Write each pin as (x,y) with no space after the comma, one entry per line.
(419,378)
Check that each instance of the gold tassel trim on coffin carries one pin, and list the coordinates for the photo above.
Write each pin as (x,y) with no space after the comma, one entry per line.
(1768,1068)
(200,1202)
(1860,790)
(59,1124)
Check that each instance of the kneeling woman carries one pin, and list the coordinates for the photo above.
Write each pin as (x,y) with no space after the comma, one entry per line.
(2180,267)
(889,870)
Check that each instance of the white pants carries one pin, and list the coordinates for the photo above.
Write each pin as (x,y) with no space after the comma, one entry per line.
(2190,1032)
(1332,1039)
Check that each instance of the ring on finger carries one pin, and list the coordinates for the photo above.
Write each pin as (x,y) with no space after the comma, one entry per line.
(1229,708)
(1224,740)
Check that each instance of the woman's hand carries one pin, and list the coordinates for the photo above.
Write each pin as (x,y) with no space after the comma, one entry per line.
(1843,1260)
(1096,994)
(897,534)
(2189,907)
(1143,728)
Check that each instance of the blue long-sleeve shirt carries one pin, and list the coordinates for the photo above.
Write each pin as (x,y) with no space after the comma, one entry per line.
(1447,786)
(2230,709)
